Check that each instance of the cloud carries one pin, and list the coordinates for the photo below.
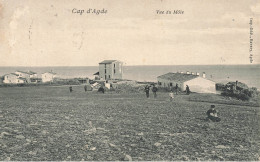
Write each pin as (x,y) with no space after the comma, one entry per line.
(18,13)
(132,32)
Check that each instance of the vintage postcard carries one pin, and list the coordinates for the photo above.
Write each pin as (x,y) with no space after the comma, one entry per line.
(124,80)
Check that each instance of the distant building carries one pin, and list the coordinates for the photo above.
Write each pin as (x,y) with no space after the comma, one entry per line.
(34,77)
(194,81)
(24,75)
(32,74)
(48,76)
(21,77)
(96,75)
(14,78)
(36,80)
(110,69)
(83,80)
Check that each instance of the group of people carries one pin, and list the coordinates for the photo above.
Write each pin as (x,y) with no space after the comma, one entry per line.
(211,113)
(101,89)
(155,89)
(147,90)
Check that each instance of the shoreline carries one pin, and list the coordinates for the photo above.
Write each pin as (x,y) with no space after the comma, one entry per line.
(248,74)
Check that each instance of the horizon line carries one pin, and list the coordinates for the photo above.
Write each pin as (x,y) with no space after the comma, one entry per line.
(133,65)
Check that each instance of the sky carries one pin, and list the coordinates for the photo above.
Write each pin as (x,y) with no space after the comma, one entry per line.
(48,33)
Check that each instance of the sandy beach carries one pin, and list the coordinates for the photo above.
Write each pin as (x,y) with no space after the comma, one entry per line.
(49,123)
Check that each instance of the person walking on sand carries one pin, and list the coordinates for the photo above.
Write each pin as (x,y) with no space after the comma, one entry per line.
(171,95)
(176,87)
(101,89)
(70,88)
(212,114)
(187,90)
(154,89)
(147,89)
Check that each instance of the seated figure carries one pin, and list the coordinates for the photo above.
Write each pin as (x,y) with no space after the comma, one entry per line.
(212,114)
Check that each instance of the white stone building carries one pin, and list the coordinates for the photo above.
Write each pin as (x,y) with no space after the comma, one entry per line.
(110,70)
(193,80)
(14,78)
(48,76)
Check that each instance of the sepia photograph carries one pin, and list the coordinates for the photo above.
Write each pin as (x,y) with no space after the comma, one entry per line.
(146,80)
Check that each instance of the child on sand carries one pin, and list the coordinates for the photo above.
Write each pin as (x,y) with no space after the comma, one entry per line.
(212,114)
(171,95)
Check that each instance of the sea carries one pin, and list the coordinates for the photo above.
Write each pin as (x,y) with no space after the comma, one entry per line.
(248,74)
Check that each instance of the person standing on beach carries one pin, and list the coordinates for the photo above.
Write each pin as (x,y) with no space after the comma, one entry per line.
(176,87)
(171,95)
(70,88)
(85,88)
(187,90)
(101,89)
(147,89)
(154,89)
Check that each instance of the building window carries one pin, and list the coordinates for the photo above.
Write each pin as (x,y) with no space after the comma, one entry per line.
(170,84)
(109,76)
(114,68)
(159,83)
(105,77)
(105,65)
(105,71)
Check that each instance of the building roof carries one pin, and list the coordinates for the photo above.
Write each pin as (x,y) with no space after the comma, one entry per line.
(12,74)
(97,73)
(28,72)
(31,72)
(107,61)
(178,77)
(21,71)
(50,73)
